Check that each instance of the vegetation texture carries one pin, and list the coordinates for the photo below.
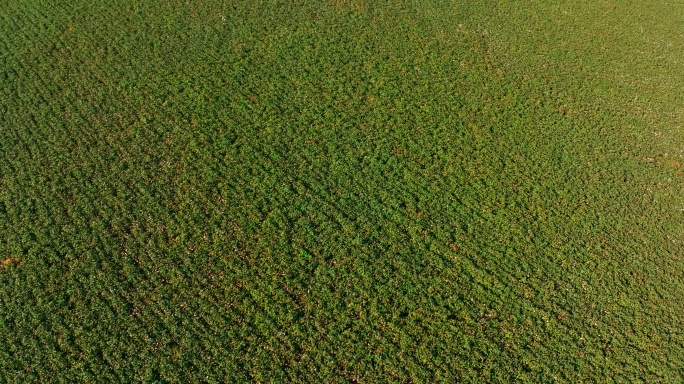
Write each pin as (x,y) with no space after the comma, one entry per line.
(341,191)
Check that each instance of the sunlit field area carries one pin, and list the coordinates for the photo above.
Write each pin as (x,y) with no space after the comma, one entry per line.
(341,191)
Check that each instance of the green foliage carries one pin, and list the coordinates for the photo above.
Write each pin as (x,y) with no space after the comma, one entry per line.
(341,191)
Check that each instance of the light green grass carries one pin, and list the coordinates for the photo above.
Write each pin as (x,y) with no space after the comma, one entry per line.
(341,191)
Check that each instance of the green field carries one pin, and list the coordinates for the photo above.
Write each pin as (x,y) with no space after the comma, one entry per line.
(341,191)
